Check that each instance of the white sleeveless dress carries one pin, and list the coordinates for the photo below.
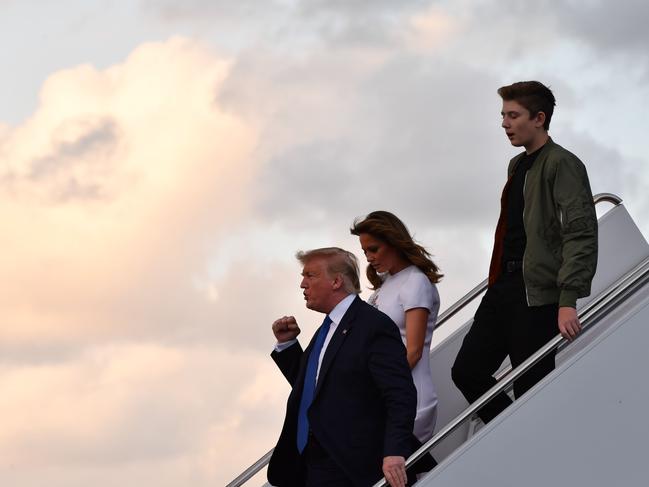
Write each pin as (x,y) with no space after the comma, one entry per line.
(400,292)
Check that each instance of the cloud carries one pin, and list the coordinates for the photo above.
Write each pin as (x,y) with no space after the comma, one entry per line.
(554,28)
(79,160)
(290,25)
(220,9)
(608,27)
(111,192)
(340,142)
(130,411)
(431,29)
(229,25)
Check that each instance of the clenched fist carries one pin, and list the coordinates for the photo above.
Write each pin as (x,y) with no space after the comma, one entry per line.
(285,329)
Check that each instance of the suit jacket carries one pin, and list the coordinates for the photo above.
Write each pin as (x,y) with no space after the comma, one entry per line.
(364,404)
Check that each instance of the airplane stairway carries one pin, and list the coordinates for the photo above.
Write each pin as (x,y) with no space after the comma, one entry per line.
(582,422)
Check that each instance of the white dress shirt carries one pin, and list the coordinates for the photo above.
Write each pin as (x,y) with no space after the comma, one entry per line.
(336,315)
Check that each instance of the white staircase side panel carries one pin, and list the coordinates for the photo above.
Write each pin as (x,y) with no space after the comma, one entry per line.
(583,425)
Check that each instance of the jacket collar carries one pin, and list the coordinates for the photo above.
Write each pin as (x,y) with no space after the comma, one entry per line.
(517,158)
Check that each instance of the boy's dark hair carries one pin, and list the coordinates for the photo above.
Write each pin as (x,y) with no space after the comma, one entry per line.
(533,95)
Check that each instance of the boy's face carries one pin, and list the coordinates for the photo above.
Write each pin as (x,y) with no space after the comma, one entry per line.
(521,130)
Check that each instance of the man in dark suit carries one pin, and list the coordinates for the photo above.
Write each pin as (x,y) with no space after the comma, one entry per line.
(350,414)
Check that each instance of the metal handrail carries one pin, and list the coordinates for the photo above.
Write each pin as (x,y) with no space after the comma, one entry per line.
(624,287)
(461,303)
(251,471)
(608,197)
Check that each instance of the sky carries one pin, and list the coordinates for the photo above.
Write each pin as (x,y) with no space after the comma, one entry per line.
(162,161)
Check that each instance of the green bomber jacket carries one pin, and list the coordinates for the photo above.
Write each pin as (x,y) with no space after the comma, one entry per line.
(560,225)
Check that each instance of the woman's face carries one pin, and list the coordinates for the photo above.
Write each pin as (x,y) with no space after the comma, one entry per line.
(381,256)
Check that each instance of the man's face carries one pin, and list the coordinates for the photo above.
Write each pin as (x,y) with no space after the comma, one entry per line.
(318,286)
(521,130)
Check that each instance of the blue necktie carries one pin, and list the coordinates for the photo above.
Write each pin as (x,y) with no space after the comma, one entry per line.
(309,385)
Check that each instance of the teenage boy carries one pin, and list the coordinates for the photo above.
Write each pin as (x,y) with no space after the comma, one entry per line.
(544,255)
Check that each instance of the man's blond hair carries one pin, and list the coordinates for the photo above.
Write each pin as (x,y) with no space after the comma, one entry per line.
(339,261)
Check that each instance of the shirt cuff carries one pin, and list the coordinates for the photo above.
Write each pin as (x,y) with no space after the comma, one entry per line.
(281,346)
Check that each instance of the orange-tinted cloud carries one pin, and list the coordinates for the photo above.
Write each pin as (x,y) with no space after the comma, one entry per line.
(110,192)
(116,337)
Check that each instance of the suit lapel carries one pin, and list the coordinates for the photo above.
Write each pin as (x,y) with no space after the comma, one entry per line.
(337,340)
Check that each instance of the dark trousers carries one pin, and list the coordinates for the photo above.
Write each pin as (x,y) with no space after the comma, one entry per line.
(504,325)
(321,470)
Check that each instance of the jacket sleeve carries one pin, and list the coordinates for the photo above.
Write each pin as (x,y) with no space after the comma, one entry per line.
(576,213)
(389,369)
(288,362)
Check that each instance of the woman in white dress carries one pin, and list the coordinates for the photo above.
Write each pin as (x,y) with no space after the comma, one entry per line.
(403,277)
